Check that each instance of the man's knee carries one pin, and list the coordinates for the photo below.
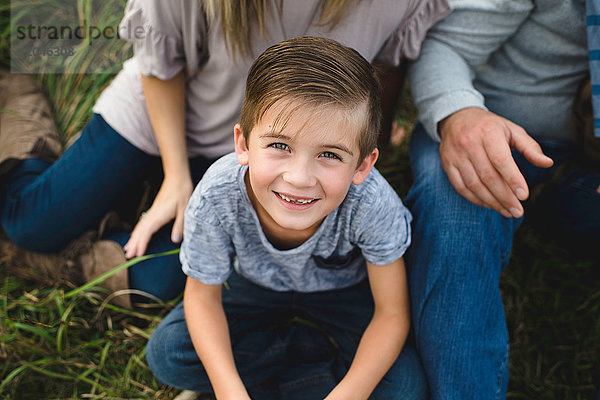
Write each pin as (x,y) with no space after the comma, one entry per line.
(432,194)
(438,209)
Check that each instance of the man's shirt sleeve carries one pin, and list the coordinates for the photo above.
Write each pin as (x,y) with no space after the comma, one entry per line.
(441,79)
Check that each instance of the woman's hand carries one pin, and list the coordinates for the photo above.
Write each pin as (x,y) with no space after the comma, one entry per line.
(169,204)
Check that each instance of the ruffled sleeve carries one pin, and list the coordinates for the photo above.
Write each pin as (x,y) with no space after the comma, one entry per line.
(165,35)
(407,39)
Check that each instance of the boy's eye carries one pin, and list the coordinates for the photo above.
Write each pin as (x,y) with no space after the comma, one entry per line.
(328,154)
(280,146)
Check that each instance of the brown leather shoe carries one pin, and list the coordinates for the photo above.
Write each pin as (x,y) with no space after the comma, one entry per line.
(82,260)
(103,256)
(50,268)
(27,127)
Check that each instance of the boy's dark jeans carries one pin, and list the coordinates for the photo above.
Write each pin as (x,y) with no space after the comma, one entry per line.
(281,358)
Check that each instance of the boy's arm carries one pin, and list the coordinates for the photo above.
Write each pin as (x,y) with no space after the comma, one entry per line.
(385,335)
(208,329)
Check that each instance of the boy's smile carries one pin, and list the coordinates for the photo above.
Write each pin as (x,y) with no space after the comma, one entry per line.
(295,203)
(301,170)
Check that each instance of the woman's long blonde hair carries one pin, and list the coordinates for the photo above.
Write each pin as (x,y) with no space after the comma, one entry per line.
(238,16)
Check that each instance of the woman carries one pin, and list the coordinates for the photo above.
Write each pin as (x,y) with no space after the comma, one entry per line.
(171,110)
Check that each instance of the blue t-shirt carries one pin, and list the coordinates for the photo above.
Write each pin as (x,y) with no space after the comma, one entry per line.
(222,232)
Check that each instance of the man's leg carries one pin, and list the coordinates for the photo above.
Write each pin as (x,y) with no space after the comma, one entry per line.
(454,263)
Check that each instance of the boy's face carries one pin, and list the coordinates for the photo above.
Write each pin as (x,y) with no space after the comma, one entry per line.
(300,172)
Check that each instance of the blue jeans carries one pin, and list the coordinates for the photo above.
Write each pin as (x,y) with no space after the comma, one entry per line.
(45,206)
(278,358)
(457,254)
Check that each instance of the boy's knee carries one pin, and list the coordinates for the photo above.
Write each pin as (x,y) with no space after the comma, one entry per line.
(160,358)
(405,380)
(155,354)
(171,356)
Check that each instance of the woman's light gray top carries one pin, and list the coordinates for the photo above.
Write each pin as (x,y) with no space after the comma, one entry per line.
(170,36)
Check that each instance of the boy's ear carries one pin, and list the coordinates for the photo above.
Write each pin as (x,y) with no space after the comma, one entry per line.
(241,148)
(365,167)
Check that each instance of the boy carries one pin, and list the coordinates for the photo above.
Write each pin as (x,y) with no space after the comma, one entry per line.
(288,221)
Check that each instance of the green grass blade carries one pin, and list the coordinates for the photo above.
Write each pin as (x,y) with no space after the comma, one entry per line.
(37,331)
(70,378)
(118,268)
(12,374)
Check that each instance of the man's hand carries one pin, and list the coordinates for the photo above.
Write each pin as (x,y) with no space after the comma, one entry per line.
(476,154)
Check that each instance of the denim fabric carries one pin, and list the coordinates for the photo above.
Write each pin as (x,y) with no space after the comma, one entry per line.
(454,264)
(277,356)
(45,206)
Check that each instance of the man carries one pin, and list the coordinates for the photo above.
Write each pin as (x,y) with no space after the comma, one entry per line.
(494,79)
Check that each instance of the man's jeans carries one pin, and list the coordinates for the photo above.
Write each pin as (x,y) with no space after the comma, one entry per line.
(454,263)
(45,206)
(281,358)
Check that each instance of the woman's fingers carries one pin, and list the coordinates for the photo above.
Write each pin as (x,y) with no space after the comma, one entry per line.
(177,232)
(148,224)
(135,246)
(169,204)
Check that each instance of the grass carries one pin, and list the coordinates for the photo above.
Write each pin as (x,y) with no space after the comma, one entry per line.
(552,301)
(89,349)
(82,348)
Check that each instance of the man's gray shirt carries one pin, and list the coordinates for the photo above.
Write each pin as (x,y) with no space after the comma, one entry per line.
(521,59)
(222,232)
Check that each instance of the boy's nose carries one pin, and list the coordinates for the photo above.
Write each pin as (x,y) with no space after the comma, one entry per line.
(300,173)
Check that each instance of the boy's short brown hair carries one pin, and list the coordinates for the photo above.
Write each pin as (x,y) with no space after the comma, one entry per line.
(314,72)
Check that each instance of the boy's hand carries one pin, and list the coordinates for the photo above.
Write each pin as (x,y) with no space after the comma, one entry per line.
(383,338)
(208,329)
(170,202)
(476,154)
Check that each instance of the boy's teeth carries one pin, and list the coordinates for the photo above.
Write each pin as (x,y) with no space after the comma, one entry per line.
(299,201)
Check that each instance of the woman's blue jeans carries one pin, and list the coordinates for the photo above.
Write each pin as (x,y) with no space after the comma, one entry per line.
(457,254)
(45,206)
(278,357)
